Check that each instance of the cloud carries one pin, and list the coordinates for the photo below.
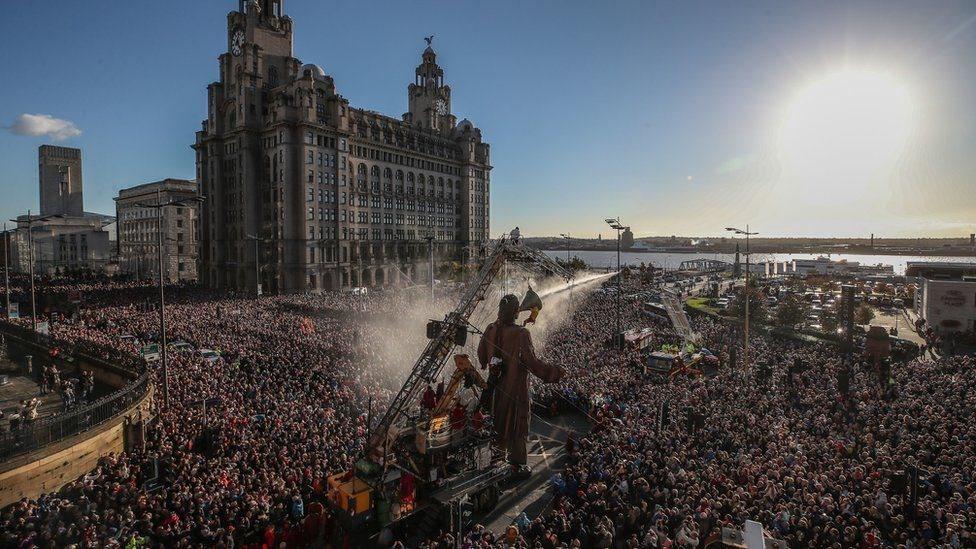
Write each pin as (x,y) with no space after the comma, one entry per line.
(36,125)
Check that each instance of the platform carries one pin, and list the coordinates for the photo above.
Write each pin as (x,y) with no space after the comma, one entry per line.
(547,456)
(20,388)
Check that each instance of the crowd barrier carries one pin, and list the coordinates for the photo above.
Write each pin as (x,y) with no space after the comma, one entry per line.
(29,436)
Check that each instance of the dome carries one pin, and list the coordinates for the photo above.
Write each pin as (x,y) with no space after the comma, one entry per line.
(313,70)
(465,125)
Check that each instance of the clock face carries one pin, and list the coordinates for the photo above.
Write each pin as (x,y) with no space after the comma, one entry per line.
(440,107)
(237,42)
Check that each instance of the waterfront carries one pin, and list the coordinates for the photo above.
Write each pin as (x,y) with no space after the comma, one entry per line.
(671,260)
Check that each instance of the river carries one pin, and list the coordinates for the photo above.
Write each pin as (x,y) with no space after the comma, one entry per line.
(671,260)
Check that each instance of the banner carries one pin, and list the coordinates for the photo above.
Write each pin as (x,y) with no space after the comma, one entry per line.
(44,328)
(14,310)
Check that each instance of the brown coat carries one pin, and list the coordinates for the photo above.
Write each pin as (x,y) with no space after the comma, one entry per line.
(511,400)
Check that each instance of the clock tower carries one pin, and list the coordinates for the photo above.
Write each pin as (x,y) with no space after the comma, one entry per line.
(259,48)
(429,98)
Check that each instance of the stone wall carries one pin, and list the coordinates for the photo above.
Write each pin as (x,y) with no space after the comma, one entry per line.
(51,467)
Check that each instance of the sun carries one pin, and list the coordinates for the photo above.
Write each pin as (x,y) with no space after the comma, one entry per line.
(846,128)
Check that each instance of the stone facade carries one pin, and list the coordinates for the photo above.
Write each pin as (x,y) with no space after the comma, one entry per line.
(138,235)
(318,195)
(60,181)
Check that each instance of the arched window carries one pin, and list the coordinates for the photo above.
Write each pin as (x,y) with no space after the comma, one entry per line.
(399,175)
(273,76)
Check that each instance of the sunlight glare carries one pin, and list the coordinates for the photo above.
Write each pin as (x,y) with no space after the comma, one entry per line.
(846,130)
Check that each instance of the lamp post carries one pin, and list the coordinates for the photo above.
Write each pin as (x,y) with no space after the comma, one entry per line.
(615,225)
(568,240)
(6,266)
(257,263)
(430,262)
(30,253)
(746,293)
(160,207)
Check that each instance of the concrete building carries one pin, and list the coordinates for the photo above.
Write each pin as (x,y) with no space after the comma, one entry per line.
(65,236)
(335,196)
(137,245)
(63,244)
(824,266)
(60,181)
(945,296)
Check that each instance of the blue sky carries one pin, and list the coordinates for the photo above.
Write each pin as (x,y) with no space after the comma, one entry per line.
(663,113)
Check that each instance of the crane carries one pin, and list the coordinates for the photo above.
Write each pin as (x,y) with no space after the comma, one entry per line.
(398,443)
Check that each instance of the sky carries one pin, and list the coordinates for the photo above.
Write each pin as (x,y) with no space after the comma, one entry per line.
(677,117)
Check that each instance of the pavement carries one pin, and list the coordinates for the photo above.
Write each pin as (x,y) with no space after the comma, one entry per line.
(897,318)
(20,388)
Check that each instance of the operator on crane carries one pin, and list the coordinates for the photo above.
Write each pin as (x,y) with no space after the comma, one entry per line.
(506,349)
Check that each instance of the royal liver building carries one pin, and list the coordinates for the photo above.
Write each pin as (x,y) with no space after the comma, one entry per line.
(306,193)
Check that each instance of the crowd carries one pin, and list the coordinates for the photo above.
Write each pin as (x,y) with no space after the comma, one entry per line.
(240,456)
(286,405)
(671,462)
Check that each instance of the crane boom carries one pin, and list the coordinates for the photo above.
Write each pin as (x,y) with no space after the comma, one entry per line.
(430,363)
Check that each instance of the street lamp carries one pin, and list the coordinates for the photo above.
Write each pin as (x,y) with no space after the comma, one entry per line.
(615,225)
(6,266)
(30,247)
(568,240)
(430,261)
(746,293)
(257,263)
(160,208)
(568,245)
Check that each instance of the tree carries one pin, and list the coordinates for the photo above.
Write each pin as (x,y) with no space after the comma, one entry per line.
(909,294)
(864,314)
(791,311)
(757,304)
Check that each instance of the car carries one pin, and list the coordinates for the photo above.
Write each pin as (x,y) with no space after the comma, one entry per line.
(180,346)
(209,355)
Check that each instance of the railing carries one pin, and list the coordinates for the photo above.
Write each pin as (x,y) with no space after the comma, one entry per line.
(28,436)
